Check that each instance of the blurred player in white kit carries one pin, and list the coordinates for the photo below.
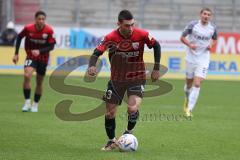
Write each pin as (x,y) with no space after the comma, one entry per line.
(199,36)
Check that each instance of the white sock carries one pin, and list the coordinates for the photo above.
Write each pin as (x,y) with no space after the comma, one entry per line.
(35,104)
(113,140)
(27,101)
(193,96)
(187,91)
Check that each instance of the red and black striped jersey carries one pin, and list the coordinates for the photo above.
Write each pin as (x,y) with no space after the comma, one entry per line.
(37,39)
(126,54)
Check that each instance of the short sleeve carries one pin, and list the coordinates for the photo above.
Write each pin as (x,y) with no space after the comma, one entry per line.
(149,40)
(23,33)
(104,44)
(215,34)
(188,29)
(51,38)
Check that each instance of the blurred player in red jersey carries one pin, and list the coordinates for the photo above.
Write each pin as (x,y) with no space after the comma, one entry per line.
(39,42)
(126,48)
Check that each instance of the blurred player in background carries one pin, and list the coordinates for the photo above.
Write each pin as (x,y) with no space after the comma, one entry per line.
(39,42)
(199,36)
(126,48)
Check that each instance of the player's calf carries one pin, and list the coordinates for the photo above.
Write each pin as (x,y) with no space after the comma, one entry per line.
(110,125)
(132,120)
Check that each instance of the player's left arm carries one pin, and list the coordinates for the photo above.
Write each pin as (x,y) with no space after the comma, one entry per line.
(47,49)
(212,43)
(214,40)
(49,46)
(152,43)
(157,57)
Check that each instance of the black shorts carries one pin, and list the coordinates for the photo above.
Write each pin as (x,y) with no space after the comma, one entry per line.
(115,91)
(38,66)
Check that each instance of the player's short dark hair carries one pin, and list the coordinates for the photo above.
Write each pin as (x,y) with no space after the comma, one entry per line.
(205,9)
(124,15)
(38,13)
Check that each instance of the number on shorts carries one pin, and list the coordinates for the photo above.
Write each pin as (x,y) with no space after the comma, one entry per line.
(204,70)
(108,94)
(28,62)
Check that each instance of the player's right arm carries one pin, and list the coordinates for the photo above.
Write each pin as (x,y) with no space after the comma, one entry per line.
(92,69)
(99,50)
(18,43)
(187,43)
(188,30)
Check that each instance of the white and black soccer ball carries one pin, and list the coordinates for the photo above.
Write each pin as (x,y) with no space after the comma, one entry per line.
(127,142)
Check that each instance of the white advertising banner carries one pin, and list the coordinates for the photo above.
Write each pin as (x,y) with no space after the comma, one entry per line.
(88,38)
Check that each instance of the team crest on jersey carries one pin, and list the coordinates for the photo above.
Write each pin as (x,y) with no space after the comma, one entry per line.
(44,36)
(150,37)
(135,45)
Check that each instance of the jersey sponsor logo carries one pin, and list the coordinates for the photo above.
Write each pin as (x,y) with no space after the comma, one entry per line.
(204,38)
(129,54)
(135,45)
(38,41)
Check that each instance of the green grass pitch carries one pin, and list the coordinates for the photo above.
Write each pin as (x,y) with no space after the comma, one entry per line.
(212,134)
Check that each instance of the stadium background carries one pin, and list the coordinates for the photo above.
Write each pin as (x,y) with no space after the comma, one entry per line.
(82,26)
(79,26)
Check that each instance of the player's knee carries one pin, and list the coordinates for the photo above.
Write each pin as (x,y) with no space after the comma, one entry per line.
(39,83)
(133,106)
(111,110)
(132,109)
(189,85)
(110,114)
(197,84)
(27,75)
(133,117)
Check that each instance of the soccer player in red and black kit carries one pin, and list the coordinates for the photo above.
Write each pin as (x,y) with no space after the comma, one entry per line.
(39,42)
(126,48)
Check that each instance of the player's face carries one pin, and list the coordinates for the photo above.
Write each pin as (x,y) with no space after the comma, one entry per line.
(205,16)
(126,27)
(40,21)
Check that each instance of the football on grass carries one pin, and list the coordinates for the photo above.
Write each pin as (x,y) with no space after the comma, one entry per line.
(127,142)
